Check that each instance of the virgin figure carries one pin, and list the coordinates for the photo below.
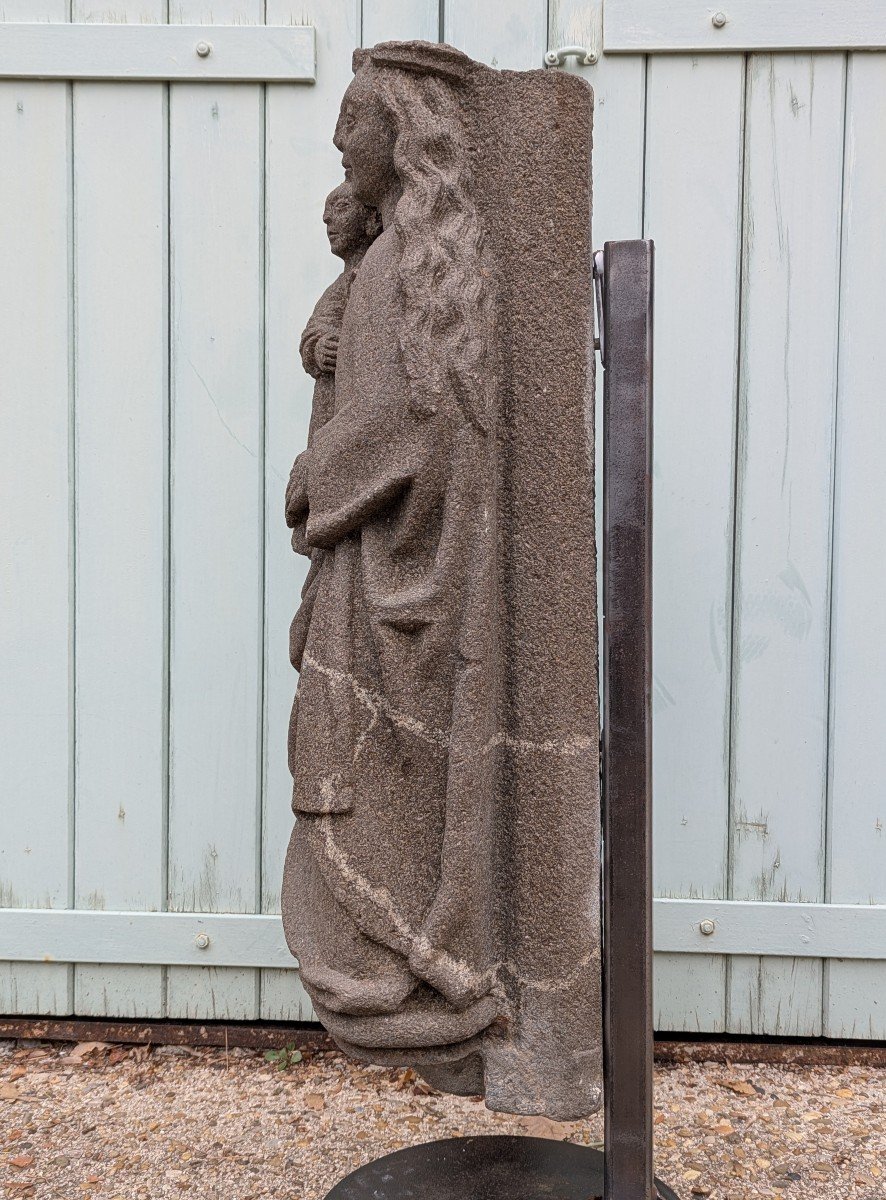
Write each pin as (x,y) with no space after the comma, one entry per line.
(427,754)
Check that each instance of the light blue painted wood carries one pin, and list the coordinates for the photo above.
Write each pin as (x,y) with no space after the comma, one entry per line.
(693,196)
(120,51)
(855,993)
(121,439)
(777,930)
(687,25)
(205,941)
(36,486)
(774,928)
(217,522)
(509,34)
(619,101)
(386,20)
(249,258)
(792,193)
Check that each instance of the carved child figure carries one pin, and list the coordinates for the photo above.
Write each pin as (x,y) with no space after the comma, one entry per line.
(351,228)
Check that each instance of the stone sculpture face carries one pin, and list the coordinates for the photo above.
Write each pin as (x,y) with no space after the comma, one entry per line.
(441,882)
(365,136)
(349,226)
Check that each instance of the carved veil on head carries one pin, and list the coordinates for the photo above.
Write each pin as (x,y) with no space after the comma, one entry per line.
(447,337)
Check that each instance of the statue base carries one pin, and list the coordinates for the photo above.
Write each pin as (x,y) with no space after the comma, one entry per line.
(483,1168)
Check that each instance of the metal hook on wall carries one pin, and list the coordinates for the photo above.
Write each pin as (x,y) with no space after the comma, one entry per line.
(585,56)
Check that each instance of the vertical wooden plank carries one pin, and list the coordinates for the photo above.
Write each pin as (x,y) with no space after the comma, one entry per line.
(216,489)
(509,33)
(693,189)
(121,448)
(302,167)
(619,83)
(36,484)
(389,20)
(793,159)
(855,992)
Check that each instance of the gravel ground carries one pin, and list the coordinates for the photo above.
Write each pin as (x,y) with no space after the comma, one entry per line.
(145,1124)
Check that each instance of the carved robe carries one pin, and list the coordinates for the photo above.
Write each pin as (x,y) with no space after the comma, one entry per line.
(441,888)
(327,317)
(396,700)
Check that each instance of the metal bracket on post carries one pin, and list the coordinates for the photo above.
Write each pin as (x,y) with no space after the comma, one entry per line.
(599,340)
(585,56)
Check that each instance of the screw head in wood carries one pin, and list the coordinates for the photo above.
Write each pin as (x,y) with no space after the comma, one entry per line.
(204,49)
(719,19)
(707,927)
(202,940)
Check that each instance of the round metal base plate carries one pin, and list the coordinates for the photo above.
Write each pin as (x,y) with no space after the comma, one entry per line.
(483,1168)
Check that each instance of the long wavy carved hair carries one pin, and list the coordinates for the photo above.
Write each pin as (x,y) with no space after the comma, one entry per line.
(447,337)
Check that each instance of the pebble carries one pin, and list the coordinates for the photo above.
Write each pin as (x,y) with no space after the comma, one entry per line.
(141,1124)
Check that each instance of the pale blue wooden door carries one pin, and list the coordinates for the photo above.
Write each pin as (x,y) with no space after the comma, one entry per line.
(161,250)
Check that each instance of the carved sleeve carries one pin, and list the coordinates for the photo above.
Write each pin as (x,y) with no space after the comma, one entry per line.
(361,462)
(326,318)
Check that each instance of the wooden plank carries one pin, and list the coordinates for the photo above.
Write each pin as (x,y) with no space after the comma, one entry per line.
(509,33)
(855,993)
(619,101)
(656,26)
(846,931)
(36,485)
(236,53)
(836,931)
(693,174)
(302,167)
(397,20)
(205,940)
(772,928)
(793,152)
(216,243)
(121,440)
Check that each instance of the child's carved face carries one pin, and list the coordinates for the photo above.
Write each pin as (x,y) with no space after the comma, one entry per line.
(346,221)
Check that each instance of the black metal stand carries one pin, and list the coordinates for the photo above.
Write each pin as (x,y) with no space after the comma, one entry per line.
(483,1168)
(527,1168)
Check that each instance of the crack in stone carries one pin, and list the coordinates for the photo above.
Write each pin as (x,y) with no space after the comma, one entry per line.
(376,703)
(411,941)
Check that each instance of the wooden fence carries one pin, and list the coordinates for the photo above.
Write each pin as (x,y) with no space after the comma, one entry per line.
(160,250)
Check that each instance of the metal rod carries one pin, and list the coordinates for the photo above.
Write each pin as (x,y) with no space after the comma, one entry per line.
(627,719)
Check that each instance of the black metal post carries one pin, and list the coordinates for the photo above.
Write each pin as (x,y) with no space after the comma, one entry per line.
(626,345)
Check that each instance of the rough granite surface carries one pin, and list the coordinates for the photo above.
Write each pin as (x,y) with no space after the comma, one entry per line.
(441,882)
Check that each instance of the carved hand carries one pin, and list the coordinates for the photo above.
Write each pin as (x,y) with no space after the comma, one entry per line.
(326,352)
(296,492)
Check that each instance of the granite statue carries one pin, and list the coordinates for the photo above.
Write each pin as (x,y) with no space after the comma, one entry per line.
(441,886)
(351,228)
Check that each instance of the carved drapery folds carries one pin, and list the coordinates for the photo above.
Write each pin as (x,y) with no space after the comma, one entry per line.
(441,884)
